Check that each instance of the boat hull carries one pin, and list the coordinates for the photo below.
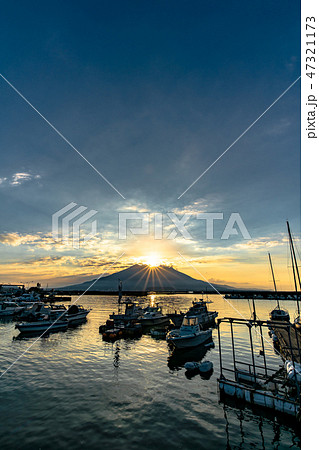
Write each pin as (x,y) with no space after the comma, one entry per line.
(156,321)
(181,342)
(74,319)
(42,327)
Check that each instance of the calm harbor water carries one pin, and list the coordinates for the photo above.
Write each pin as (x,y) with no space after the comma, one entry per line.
(72,390)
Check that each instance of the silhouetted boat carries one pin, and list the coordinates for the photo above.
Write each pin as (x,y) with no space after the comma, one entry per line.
(42,326)
(277,313)
(189,335)
(153,316)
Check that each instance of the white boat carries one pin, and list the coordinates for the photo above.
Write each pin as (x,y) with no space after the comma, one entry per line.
(199,309)
(42,326)
(9,308)
(189,335)
(153,316)
(76,314)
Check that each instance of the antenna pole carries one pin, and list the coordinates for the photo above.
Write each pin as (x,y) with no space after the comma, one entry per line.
(295,281)
(293,252)
(273,277)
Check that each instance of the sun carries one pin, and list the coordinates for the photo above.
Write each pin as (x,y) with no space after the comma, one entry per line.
(152,260)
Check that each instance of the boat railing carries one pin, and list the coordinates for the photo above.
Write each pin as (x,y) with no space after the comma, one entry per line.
(252,371)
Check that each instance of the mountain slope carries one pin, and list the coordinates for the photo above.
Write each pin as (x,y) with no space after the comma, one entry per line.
(140,277)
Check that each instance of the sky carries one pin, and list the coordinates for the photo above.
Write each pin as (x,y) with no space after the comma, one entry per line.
(150,94)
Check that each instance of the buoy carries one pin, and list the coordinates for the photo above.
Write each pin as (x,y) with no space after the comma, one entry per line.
(206,366)
(191,366)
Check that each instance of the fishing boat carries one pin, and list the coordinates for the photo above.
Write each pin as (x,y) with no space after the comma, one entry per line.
(189,335)
(46,325)
(277,314)
(9,308)
(127,330)
(76,314)
(40,309)
(153,316)
(123,325)
(199,309)
(132,312)
(29,297)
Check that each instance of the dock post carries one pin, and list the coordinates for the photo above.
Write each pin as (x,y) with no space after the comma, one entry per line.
(220,348)
(263,346)
(298,345)
(233,345)
(252,350)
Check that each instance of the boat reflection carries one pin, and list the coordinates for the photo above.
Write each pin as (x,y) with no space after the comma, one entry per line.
(177,358)
(239,419)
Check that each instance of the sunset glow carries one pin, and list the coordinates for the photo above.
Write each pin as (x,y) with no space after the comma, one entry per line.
(152,260)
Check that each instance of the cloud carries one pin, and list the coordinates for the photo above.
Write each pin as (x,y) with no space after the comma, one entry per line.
(16,239)
(18,178)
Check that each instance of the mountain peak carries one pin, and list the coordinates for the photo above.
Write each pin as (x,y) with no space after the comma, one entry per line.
(142,277)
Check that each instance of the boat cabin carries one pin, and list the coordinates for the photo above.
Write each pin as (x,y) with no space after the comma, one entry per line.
(190,324)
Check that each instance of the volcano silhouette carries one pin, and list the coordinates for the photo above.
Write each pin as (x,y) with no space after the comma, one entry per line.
(141,277)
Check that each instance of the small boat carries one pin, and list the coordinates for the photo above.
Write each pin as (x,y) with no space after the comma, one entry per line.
(153,316)
(46,325)
(277,313)
(199,309)
(76,314)
(10,309)
(189,335)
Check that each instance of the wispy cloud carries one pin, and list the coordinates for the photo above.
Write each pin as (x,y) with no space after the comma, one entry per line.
(18,178)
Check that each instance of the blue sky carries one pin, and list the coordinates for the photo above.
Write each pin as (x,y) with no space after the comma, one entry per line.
(151,93)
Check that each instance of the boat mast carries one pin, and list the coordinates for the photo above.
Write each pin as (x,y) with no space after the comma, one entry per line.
(273,277)
(295,281)
(294,254)
(294,265)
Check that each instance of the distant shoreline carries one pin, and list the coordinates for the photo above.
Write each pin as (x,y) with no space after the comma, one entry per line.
(246,293)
